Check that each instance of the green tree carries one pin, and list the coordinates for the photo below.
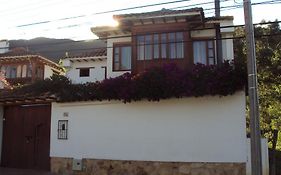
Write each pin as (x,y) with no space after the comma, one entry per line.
(268,53)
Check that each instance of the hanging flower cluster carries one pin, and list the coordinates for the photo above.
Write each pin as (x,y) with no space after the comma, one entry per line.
(153,84)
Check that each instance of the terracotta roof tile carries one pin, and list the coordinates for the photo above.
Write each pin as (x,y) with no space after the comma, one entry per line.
(95,53)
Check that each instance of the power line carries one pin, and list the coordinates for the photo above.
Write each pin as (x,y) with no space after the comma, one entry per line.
(224,8)
(184,41)
(104,12)
(116,37)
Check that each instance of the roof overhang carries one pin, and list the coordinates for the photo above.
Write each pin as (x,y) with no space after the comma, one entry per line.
(86,59)
(22,58)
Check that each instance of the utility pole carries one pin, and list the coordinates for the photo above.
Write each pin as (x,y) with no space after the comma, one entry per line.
(256,160)
(218,34)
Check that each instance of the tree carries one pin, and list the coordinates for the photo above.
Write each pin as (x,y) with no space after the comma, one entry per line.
(268,52)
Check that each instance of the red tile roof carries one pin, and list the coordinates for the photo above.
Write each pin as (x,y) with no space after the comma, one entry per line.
(95,53)
(21,54)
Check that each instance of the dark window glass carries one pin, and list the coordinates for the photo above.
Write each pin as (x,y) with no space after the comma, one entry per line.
(84,72)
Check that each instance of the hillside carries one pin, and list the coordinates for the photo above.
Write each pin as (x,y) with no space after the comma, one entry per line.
(55,49)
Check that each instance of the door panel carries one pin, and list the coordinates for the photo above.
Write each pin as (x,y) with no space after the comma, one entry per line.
(32,134)
(12,151)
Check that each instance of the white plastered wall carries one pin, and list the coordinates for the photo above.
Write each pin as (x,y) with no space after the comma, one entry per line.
(110,72)
(97,73)
(48,72)
(207,129)
(1,129)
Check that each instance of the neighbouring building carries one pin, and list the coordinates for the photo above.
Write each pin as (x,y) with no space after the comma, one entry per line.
(4,46)
(20,66)
(86,67)
(180,136)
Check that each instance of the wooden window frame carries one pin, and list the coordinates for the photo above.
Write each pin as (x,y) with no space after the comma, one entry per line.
(160,42)
(206,40)
(120,45)
(81,68)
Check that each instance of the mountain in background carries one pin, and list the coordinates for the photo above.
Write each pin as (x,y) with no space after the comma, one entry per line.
(55,49)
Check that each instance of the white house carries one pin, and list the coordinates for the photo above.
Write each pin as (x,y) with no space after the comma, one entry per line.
(176,136)
(88,67)
(205,135)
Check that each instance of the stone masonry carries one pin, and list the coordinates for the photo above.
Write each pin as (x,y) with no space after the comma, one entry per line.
(116,167)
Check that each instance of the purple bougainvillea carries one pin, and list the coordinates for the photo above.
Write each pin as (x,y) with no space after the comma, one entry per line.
(153,84)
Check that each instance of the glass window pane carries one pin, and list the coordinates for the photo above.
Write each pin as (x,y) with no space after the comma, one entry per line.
(148,47)
(126,57)
(163,46)
(211,60)
(140,47)
(199,52)
(210,44)
(172,45)
(210,52)
(116,59)
(180,45)
(156,46)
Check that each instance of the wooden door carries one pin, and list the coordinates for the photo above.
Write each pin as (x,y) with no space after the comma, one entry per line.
(32,135)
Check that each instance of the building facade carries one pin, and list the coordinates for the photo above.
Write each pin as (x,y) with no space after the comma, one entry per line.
(21,67)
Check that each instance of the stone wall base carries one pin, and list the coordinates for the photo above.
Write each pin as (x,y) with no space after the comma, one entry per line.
(117,167)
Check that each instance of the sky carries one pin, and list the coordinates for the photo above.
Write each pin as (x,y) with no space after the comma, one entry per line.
(27,19)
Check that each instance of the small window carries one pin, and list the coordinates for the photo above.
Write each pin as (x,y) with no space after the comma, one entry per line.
(62,129)
(84,72)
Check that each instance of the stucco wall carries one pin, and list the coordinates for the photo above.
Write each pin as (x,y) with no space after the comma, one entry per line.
(207,129)
(97,73)
(1,129)
(48,72)
(110,72)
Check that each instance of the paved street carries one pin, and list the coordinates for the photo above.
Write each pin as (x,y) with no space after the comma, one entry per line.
(9,171)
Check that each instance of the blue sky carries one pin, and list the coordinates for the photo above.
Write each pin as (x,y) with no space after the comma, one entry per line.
(17,13)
